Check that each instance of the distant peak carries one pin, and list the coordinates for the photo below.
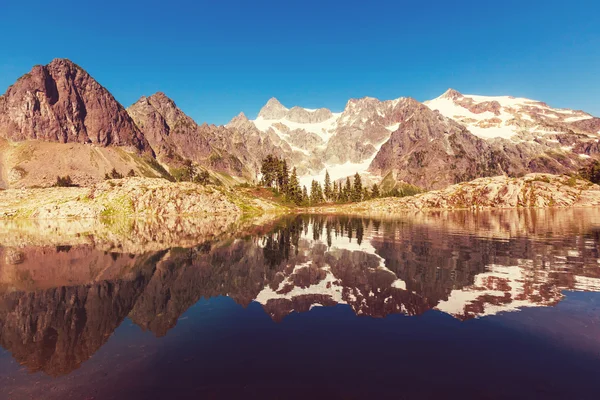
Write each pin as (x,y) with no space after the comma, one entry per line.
(159,95)
(274,102)
(161,98)
(238,120)
(273,110)
(451,94)
(63,61)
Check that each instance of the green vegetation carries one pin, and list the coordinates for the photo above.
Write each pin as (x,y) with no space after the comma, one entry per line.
(591,172)
(276,175)
(64,181)
(190,173)
(113,174)
(155,165)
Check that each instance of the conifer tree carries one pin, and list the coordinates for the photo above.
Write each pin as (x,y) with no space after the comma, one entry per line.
(294,193)
(327,186)
(304,195)
(334,191)
(366,195)
(269,168)
(316,195)
(348,190)
(374,191)
(357,190)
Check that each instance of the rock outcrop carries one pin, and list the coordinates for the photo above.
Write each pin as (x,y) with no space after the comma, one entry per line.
(176,137)
(129,197)
(432,152)
(60,102)
(530,191)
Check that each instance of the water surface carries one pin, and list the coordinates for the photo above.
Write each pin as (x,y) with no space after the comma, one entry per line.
(440,305)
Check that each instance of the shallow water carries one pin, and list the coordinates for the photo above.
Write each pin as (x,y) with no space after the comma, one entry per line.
(440,305)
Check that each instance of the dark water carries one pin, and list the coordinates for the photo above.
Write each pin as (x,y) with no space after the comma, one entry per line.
(453,305)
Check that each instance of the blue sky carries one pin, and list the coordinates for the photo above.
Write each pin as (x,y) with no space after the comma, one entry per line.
(217,58)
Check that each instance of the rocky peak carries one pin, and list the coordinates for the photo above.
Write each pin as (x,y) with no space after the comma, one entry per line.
(304,116)
(451,94)
(361,103)
(160,97)
(238,121)
(166,107)
(61,102)
(273,110)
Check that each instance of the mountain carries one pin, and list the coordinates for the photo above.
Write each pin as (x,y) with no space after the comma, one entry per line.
(176,137)
(57,120)
(60,102)
(342,143)
(517,119)
(431,151)
(450,139)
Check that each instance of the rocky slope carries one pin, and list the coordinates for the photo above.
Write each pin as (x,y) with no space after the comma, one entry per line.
(176,137)
(431,151)
(131,197)
(532,190)
(34,163)
(450,139)
(60,102)
(57,120)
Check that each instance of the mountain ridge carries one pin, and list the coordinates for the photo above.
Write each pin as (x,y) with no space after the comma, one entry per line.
(413,141)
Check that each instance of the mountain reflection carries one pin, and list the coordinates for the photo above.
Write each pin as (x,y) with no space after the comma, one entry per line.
(60,300)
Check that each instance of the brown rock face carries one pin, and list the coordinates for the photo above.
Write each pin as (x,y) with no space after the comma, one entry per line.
(431,151)
(174,136)
(60,102)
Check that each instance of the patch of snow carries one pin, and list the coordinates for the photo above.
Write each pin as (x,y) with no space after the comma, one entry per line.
(579,118)
(322,129)
(393,127)
(339,171)
(399,284)
(526,117)
(505,132)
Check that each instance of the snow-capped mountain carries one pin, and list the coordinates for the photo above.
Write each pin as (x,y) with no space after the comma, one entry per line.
(434,144)
(510,117)
(446,140)
(341,142)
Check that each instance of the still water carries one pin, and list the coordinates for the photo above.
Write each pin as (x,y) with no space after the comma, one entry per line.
(487,305)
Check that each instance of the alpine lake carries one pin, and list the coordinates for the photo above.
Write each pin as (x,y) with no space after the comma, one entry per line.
(438,305)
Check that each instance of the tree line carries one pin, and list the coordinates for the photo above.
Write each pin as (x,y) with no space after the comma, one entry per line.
(277,175)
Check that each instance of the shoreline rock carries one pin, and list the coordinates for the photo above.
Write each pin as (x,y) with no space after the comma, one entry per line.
(499,192)
(129,198)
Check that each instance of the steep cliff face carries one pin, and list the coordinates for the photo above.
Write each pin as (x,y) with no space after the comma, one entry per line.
(431,151)
(57,121)
(482,136)
(60,102)
(175,136)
